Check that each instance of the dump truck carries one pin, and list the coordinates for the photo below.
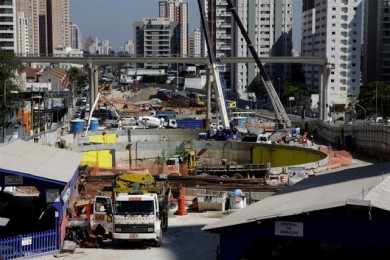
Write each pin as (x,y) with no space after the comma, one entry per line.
(136,211)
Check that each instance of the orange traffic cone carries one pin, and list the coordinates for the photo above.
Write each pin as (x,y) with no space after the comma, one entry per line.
(182,210)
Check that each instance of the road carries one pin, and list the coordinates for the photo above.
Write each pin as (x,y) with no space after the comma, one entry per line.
(183,240)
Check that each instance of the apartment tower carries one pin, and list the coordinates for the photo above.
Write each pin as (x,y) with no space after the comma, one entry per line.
(8,25)
(333,30)
(177,11)
(376,52)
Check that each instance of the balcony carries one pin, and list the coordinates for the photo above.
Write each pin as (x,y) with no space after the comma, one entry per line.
(224,25)
(221,2)
(223,14)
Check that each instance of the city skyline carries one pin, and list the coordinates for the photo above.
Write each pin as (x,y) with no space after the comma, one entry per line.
(125,13)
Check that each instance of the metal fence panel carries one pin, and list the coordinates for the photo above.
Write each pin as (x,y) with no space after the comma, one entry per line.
(29,245)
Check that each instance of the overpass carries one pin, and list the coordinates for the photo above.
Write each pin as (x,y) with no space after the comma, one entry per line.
(106,60)
(93,63)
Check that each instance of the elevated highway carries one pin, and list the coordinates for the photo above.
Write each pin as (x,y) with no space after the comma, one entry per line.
(105,60)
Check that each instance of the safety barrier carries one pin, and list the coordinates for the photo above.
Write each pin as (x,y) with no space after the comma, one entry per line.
(27,246)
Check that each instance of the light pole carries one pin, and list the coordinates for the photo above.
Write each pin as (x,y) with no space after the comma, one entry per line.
(376,99)
(177,76)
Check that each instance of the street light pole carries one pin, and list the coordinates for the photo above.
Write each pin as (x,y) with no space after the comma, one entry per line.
(376,99)
(177,76)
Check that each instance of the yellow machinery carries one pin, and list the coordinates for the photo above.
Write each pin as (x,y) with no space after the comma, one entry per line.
(190,160)
(135,182)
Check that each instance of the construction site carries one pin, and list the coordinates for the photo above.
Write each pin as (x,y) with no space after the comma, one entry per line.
(138,171)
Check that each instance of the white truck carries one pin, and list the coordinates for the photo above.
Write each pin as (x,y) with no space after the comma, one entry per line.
(136,217)
(139,210)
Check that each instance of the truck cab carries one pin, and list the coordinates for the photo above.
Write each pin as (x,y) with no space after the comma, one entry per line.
(137,217)
(172,166)
(137,210)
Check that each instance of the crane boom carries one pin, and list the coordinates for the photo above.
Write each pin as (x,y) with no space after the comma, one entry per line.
(280,111)
(217,77)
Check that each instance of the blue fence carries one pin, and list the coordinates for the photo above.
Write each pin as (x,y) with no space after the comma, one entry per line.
(190,123)
(30,245)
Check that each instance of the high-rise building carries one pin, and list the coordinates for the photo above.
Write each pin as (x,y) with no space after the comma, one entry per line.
(94,47)
(177,11)
(333,29)
(195,44)
(98,47)
(220,27)
(76,37)
(155,37)
(22,34)
(105,48)
(44,25)
(376,52)
(129,48)
(27,28)
(8,25)
(269,25)
(52,25)
(61,24)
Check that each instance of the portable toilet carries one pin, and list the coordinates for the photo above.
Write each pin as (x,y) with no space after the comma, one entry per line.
(94,125)
(76,126)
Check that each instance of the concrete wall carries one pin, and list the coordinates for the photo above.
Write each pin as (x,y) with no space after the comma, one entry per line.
(246,153)
(156,135)
(281,156)
(367,139)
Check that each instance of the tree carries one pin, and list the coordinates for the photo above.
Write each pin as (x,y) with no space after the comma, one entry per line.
(9,102)
(296,90)
(78,78)
(375,97)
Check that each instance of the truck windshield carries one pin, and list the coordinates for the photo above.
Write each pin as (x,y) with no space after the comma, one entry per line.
(142,207)
(171,162)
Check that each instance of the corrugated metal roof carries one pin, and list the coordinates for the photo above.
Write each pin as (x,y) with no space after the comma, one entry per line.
(38,160)
(359,186)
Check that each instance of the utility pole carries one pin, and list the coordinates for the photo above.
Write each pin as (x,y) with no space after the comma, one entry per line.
(177,76)
(130,158)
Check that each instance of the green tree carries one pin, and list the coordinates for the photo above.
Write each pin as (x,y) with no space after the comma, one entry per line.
(375,97)
(78,78)
(9,101)
(296,90)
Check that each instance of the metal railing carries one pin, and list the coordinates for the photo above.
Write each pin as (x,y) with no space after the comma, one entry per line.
(26,246)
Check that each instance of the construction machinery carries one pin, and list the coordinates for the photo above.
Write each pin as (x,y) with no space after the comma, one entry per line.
(172,166)
(214,66)
(279,109)
(137,209)
(190,161)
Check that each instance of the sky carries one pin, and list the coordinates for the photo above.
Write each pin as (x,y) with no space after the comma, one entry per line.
(112,20)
